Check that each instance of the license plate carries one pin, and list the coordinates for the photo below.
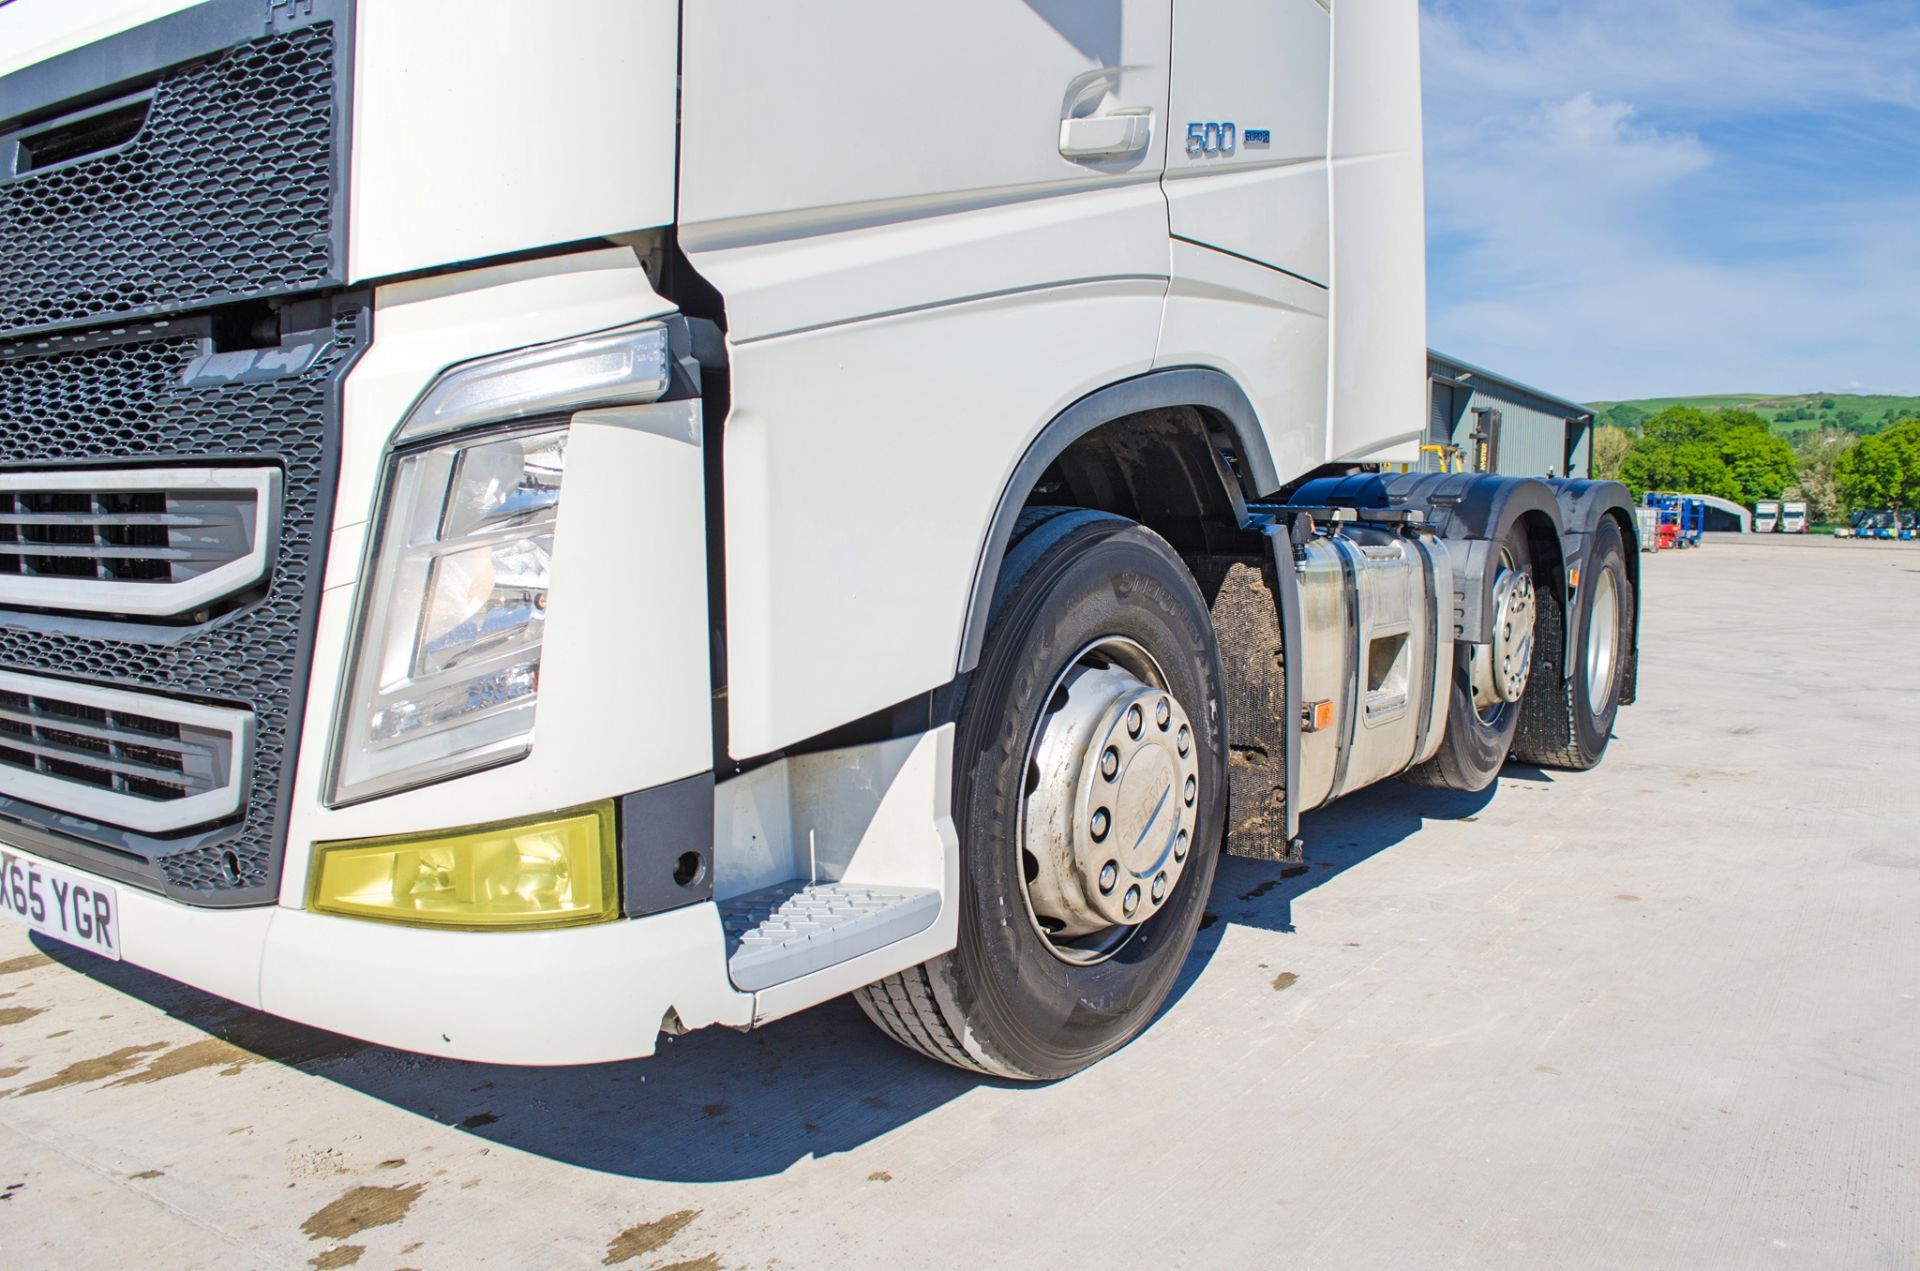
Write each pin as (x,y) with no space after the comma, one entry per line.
(64,905)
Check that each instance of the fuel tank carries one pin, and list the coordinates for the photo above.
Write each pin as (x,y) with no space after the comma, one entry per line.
(1375,658)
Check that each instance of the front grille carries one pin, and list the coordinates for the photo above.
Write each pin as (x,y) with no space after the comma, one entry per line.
(156,542)
(126,402)
(134,760)
(225,191)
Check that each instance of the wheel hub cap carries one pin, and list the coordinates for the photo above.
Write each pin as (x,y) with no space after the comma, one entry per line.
(1500,672)
(1112,803)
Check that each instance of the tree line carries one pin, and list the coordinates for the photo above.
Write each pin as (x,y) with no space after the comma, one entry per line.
(1734,454)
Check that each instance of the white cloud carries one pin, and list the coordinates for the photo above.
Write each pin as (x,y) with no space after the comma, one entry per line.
(1583,246)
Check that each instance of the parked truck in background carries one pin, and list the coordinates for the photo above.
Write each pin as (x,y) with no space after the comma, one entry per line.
(524,528)
(1766,516)
(1793,517)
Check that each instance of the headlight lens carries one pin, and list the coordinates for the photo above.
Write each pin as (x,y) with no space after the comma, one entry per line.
(448,663)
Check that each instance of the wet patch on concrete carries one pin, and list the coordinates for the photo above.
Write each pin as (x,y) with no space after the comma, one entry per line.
(25,962)
(339,1256)
(19,1014)
(477,1120)
(11,1072)
(359,1208)
(210,1053)
(707,1263)
(87,1071)
(1261,890)
(1625,898)
(1284,981)
(637,1241)
(879,1176)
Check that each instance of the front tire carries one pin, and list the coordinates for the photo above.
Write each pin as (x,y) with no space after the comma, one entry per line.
(1054,970)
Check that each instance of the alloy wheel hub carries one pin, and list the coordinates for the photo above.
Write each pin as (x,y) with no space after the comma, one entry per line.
(1112,803)
(1500,673)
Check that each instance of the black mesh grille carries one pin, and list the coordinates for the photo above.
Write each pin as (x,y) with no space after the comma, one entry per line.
(124,400)
(226,193)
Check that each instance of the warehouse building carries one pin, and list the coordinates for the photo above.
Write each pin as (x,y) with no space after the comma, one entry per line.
(1482,422)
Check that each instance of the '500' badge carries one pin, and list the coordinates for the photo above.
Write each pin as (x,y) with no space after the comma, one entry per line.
(1211,139)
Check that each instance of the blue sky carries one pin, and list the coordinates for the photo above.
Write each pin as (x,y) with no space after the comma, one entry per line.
(1676,196)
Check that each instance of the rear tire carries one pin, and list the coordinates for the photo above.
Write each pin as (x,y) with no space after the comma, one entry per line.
(1477,740)
(1566,722)
(1012,1000)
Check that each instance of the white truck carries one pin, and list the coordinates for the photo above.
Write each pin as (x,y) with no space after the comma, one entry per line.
(1766,516)
(1793,517)
(524,527)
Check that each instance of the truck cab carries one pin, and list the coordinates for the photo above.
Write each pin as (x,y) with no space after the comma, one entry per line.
(648,516)
(1793,517)
(1766,516)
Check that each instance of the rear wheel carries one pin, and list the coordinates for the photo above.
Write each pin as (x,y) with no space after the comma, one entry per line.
(1489,680)
(1089,796)
(1565,721)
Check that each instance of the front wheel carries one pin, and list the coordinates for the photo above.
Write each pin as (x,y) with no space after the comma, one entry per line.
(1089,794)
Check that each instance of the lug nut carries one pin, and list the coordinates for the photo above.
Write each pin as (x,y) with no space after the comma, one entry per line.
(1186,740)
(1162,713)
(1101,822)
(1180,847)
(1131,901)
(1159,889)
(1109,875)
(1110,764)
(1192,786)
(1135,721)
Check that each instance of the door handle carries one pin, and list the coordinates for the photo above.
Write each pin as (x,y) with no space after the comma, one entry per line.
(1112,136)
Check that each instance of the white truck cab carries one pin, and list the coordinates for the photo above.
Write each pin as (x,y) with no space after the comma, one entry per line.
(523,527)
(1793,517)
(1766,516)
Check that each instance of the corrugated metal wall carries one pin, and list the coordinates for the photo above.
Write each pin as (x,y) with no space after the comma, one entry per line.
(1535,430)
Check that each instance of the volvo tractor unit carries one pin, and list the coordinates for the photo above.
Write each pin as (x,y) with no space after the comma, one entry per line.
(525,527)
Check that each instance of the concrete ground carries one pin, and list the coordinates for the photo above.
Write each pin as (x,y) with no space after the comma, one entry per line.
(1666,1013)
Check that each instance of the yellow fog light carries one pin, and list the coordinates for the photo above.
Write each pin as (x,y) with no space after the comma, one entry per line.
(551,871)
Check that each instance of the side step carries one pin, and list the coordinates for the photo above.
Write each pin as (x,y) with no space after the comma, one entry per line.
(792,929)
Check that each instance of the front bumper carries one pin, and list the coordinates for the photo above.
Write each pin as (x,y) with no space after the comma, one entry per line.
(575,996)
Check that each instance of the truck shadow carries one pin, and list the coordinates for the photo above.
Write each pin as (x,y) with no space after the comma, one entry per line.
(717,1105)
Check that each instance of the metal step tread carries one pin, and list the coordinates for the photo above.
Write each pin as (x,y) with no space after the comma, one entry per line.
(792,929)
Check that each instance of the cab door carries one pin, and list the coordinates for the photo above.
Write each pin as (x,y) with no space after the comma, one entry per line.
(933,227)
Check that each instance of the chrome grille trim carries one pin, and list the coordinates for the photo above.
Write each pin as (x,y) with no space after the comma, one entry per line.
(135,542)
(138,760)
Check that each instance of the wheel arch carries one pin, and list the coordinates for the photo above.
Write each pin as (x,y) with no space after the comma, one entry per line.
(1156,448)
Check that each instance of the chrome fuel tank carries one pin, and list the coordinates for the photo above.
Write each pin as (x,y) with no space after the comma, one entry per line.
(1376,654)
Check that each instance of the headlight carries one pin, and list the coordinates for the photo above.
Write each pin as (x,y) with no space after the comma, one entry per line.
(446,664)
(449,656)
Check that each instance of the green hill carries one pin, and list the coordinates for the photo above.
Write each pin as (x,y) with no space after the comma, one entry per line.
(1789,415)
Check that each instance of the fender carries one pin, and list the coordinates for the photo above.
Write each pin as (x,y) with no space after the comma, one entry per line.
(1211,392)
(1469,511)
